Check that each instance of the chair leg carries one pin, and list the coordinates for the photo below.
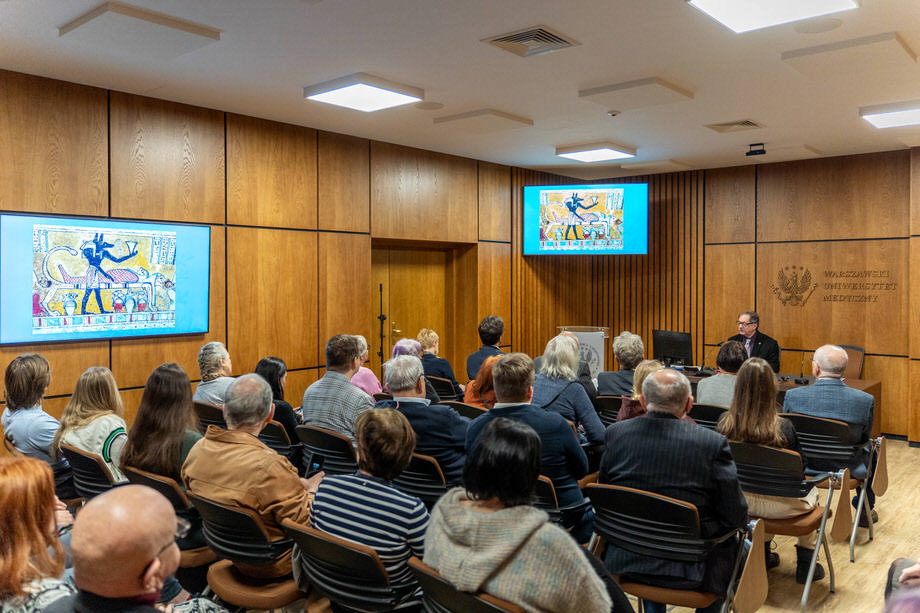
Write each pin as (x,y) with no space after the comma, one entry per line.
(830,562)
(859,511)
(811,576)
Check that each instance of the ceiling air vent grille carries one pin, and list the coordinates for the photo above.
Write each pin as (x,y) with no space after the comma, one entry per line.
(735,126)
(531,41)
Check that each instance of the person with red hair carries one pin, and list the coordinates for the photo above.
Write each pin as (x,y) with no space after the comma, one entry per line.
(480,392)
(31,558)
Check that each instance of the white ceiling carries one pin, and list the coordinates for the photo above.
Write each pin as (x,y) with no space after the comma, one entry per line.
(270,49)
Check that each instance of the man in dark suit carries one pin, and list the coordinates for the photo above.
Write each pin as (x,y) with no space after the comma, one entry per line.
(629,350)
(563,460)
(440,431)
(660,453)
(491,329)
(756,343)
(828,397)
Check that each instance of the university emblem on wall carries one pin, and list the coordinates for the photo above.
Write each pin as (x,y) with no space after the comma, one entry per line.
(793,285)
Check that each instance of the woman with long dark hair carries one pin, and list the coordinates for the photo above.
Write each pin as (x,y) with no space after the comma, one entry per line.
(274,370)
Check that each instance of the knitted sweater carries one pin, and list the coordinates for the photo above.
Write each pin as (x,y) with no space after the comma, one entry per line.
(514,554)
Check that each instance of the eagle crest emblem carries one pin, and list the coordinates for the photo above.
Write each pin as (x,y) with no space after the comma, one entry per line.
(793,285)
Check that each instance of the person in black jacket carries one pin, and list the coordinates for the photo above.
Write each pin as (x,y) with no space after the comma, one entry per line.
(440,431)
(274,370)
(756,343)
(433,365)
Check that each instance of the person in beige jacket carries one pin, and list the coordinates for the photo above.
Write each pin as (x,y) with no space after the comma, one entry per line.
(234,467)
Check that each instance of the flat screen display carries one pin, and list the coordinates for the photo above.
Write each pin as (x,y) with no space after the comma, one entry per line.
(76,279)
(586,219)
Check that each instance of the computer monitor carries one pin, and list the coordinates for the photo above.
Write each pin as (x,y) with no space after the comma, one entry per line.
(672,348)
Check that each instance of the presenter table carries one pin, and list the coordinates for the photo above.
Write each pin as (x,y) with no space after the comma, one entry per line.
(787,382)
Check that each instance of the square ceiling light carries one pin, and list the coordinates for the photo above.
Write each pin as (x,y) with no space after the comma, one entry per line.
(747,15)
(892,115)
(596,152)
(363,92)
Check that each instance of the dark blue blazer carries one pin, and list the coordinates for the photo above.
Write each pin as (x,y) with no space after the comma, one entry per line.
(475,359)
(764,347)
(832,399)
(563,459)
(440,433)
(440,367)
(668,456)
(615,383)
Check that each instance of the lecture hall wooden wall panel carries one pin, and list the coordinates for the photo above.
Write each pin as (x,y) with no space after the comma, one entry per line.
(271,173)
(494,202)
(494,280)
(167,160)
(272,308)
(422,195)
(730,210)
(134,360)
(857,196)
(344,183)
(638,292)
(729,279)
(842,306)
(344,281)
(67,360)
(53,148)
(894,373)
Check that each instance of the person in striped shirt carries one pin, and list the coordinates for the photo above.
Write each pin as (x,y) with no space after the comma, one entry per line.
(365,507)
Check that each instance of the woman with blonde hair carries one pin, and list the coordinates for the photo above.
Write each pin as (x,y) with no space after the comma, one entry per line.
(631,406)
(31,558)
(752,418)
(93,419)
(433,365)
(480,391)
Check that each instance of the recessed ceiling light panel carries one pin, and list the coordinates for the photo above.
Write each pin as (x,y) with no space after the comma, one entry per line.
(892,115)
(746,15)
(363,92)
(596,152)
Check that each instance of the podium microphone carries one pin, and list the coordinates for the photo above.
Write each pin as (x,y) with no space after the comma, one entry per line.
(709,353)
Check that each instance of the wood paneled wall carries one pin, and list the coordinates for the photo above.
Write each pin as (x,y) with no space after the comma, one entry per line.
(290,209)
(639,293)
(822,249)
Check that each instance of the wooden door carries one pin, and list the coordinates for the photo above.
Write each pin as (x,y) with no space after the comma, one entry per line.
(414,295)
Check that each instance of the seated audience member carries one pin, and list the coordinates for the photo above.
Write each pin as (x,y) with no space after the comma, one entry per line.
(440,431)
(433,365)
(29,428)
(216,368)
(485,536)
(93,419)
(31,556)
(274,370)
(719,389)
(752,418)
(234,467)
(631,406)
(829,398)
(583,374)
(480,391)
(164,432)
(365,507)
(124,549)
(333,402)
(491,329)
(628,349)
(563,460)
(664,455)
(365,379)
(410,346)
(557,389)
(903,576)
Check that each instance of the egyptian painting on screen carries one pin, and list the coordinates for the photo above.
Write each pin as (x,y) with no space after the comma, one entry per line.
(584,219)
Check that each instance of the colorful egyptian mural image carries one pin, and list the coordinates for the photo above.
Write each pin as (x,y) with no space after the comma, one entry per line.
(91,279)
(583,220)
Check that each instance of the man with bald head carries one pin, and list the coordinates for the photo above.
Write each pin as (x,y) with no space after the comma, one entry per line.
(660,453)
(124,548)
(234,467)
(830,398)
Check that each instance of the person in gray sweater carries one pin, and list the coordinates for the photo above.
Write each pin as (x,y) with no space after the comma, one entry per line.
(720,388)
(485,536)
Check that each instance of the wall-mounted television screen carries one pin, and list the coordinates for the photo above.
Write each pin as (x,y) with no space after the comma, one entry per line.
(586,219)
(63,279)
